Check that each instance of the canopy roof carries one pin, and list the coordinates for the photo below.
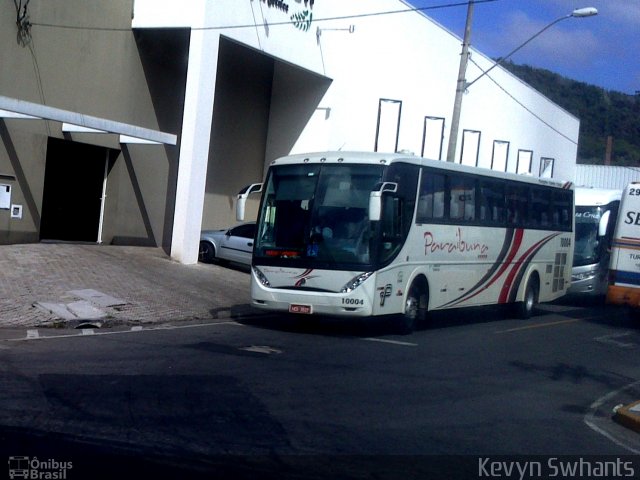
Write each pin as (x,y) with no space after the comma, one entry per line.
(78,122)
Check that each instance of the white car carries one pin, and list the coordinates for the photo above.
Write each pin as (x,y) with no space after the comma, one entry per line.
(233,244)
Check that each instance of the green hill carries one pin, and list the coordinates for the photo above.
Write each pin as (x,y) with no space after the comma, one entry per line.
(602,114)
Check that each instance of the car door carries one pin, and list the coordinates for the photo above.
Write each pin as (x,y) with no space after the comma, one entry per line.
(237,244)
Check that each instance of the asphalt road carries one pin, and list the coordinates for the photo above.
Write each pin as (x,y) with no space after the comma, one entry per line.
(280,398)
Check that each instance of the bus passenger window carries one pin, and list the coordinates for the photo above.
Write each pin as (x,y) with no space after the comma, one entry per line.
(517,205)
(492,202)
(540,206)
(431,199)
(462,197)
(562,208)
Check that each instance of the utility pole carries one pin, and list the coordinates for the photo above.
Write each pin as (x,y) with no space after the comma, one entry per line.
(609,151)
(464,57)
(461,85)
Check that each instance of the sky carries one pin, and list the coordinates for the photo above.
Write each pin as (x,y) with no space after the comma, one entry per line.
(603,50)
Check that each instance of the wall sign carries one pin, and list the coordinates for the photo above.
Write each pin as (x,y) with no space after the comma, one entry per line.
(16,211)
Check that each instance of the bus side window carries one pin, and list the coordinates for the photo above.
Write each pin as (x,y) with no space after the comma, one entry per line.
(431,199)
(491,202)
(517,206)
(456,203)
(540,207)
(470,200)
(562,209)
(462,198)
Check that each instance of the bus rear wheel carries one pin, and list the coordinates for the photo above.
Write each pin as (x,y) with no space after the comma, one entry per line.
(415,308)
(526,308)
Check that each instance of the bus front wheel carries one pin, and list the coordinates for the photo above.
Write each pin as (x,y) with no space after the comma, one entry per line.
(415,308)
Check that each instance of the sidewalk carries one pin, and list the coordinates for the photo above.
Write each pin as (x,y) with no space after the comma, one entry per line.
(59,284)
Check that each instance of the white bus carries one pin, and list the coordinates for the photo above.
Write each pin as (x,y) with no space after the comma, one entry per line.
(624,269)
(596,215)
(362,234)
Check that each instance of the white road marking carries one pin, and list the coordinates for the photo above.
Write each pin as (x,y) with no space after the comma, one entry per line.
(34,335)
(261,349)
(611,340)
(392,342)
(590,418)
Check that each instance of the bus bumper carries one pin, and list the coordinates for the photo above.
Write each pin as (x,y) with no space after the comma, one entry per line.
(354,304)
(588,281)
(589,287)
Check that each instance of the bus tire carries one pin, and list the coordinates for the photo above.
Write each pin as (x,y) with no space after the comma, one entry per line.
(415,308)
(526,308)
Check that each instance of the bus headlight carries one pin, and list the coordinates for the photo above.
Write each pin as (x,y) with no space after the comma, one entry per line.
(355,282)
(261,278)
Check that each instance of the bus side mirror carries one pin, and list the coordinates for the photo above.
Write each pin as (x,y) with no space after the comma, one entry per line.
(242,199)
(375,199)
(604,222)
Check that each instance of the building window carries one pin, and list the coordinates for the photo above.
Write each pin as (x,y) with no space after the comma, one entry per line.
(470,148)
(524,161)
(500,155)
(546,167)
(388,128)
(432,137)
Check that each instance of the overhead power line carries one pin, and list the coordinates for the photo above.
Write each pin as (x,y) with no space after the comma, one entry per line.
(292,22)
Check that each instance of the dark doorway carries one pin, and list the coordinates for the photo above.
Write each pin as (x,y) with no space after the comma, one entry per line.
(72,191)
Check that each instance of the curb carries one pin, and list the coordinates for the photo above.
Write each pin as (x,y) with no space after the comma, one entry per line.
(628,416)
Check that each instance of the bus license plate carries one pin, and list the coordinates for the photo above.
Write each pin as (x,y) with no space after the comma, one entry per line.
(300,309)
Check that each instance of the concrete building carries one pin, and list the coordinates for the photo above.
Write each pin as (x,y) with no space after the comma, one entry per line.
(211,92)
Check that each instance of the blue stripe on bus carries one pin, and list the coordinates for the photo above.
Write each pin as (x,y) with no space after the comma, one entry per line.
(625,243)
(631,278)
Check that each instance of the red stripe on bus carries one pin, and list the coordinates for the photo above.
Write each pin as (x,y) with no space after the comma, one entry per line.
(515,246)
(523,261)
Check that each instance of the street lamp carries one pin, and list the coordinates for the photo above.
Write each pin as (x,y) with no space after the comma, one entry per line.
(463,85)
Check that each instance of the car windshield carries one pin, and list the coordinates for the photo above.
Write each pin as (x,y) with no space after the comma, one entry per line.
(318,213)
(587,251)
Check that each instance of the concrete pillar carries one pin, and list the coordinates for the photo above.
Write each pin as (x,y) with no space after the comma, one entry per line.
(194,144)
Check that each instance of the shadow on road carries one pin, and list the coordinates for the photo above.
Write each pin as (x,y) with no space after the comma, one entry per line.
(371,326)
(593,311)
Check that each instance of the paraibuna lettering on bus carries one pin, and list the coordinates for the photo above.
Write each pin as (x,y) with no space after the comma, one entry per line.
(432,244)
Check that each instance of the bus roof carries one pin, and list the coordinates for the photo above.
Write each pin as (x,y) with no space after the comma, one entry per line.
(587,196)
(377,158)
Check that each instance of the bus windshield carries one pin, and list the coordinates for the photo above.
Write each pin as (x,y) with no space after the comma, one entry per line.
(317,214)
(587,247)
